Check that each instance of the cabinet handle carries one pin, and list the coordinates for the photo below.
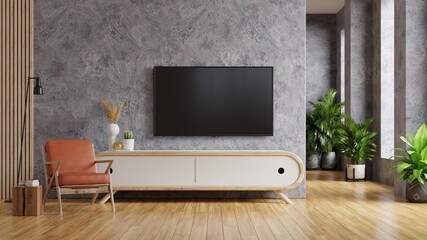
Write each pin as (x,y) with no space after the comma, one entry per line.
(281,170)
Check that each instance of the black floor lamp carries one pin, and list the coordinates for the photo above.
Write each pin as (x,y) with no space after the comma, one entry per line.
(38,90)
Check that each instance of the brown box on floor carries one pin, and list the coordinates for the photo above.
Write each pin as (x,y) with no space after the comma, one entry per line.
(27,201)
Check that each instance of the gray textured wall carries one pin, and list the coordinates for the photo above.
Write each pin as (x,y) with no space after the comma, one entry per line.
(321,55)
(88,50)
(359,58)
(416,64)
(358,62)
(410,71)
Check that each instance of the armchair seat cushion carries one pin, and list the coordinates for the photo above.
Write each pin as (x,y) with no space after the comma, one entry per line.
(83,178)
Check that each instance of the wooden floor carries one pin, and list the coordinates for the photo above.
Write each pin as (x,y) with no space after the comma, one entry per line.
(334,209)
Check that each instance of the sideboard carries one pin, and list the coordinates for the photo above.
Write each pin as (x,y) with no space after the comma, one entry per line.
(204,170)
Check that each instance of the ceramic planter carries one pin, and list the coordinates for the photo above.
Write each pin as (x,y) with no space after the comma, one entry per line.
(128,144)
(359,172)
(416,192)
(112,132)
(329,160)
(313,160)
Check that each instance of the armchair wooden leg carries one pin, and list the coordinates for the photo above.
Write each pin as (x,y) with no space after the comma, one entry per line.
(58,195)
(48,188)
(113,207)
(94,198)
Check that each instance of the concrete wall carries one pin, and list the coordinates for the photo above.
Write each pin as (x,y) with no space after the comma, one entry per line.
(321,55)
(358,62)
(410,71)
(358,22)
(89,50)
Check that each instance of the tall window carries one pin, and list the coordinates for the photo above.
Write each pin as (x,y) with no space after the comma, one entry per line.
(342,67)
(387,78)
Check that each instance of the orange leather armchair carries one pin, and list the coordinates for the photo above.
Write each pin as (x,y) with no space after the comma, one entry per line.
(70,168)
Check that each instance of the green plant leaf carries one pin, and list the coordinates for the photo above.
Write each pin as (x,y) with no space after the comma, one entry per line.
(402,166)
(406,141)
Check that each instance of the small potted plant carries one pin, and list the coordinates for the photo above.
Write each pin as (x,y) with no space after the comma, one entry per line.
(358,144)
(128,141)
(412,166)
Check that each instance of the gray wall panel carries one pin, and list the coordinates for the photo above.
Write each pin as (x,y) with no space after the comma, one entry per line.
(105,49)
(321,55)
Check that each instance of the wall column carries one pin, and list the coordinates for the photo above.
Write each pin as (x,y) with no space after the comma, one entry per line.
(358,62)
(410,71)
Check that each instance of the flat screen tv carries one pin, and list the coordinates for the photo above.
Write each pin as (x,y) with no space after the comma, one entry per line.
(213,101)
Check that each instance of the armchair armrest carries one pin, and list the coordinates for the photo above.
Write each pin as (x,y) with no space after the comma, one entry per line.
(110,163)
(51,163)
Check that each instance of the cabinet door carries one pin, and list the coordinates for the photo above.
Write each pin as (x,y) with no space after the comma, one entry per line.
(147,171)
(257,171)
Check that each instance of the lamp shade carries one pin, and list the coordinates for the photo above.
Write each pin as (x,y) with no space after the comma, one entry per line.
(38,89)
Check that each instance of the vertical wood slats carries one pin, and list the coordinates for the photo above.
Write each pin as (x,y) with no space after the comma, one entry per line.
(16,65)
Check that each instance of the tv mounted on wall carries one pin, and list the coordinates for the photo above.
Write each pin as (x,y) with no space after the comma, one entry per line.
(213,101)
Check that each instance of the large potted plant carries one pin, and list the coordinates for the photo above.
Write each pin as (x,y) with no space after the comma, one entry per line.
(313,139)
(412,166)
(358,144)
(327,119)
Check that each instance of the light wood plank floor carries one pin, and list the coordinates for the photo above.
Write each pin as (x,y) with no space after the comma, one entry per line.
(334,209)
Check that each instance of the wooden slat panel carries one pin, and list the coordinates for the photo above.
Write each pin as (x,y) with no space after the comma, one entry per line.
(7,130)
(2,98)
(16,65)
(27,67)
(30,138)
(18,78)
(14,90)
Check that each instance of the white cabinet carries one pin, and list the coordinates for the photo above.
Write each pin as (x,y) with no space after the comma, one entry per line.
(204,170)
(246,171)
(134,171)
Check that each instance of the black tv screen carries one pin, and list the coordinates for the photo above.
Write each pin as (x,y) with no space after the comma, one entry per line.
(213,101)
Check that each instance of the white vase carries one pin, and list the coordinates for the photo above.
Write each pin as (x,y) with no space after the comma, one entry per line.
(112,132)
(128,144)
(359,171)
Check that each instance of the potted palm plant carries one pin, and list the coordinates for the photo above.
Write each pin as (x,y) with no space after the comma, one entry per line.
(327,120)
(358,144)
(412,166)
(313,137)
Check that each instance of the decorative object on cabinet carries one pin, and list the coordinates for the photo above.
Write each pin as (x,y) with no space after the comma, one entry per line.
(113,114)
(128,141)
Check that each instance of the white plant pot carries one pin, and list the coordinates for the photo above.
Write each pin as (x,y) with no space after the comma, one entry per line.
(128,144)
(359,171)
(112,132)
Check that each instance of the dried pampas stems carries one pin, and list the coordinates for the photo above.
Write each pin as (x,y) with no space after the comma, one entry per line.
(113,112)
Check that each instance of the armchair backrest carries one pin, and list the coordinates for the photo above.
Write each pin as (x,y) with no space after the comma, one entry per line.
(76,156)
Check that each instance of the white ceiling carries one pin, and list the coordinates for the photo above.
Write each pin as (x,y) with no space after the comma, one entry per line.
(324,6)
